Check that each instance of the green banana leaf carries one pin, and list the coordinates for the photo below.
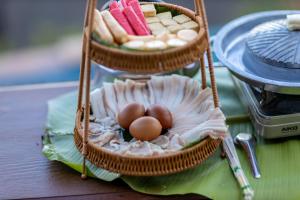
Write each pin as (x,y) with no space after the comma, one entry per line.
(278,160)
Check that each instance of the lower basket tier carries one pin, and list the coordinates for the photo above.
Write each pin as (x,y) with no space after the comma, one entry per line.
(148,166)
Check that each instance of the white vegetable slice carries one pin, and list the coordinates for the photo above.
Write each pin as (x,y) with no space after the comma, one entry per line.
(175,28)
(168,22)
(155,45)
(101,29)
(165,36)
(191,25)
(149,10)
(117,30)
(187,35)
(156,26)
(151,20)
(137,45)
(160,32)
(164,15)
(145,38)
(176,43)
(182,19)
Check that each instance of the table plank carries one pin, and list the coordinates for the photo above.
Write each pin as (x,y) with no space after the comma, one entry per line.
(130,195)
(25,172)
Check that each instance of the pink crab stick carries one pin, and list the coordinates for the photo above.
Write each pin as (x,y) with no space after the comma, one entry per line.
(113,5)
(124,3)
(121,18)
(135,21)
(138,10)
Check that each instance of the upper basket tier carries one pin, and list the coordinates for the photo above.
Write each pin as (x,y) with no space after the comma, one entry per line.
(156,61)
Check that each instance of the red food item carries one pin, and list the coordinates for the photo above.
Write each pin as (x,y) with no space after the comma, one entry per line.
(135,21)
(121,18)
(124,3)
(113,5)
(138,10)
(128,1)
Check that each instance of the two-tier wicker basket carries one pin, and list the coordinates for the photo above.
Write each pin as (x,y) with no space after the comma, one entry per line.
(143,62)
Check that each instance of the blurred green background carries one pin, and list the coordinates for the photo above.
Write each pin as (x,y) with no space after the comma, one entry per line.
(43,37)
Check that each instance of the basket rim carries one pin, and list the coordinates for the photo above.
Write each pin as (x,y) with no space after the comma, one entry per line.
(148,167)
(200,37)
(78,129)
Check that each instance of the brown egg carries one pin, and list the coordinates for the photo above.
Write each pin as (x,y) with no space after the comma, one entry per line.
(130,113)
(145,129)
(162,114)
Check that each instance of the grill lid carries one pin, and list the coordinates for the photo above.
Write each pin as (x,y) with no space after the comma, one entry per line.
(274,44)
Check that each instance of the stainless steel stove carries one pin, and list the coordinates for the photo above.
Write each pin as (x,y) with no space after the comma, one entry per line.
(273,115)
(264,58)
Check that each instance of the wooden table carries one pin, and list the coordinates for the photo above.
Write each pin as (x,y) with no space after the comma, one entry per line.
(25,172)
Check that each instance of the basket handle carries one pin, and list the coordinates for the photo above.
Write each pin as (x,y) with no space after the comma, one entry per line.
(85,77)
(200,11)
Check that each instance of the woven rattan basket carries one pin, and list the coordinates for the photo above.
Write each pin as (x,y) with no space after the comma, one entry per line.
(142,62)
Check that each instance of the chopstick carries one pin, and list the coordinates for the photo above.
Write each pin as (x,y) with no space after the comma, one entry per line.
(235,165)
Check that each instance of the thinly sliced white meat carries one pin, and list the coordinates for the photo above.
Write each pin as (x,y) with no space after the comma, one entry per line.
(104,138)
(157,88)
(217,114)
(184,123)
(129,91)
(110,99)
(206,106)
(150,89)
(138,94)
(192,89)
(113,145)
(195,104)
(162,141)
(139,148)
(180,85)
(146,96)
(120,94)
(97,104)
(124,146)
(194,115)
(168,92)
(175,144)
(156,149)
(96,129)
(180,119)
(215,128)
